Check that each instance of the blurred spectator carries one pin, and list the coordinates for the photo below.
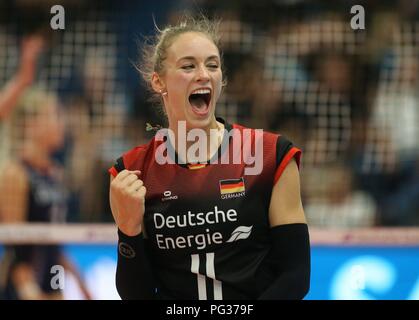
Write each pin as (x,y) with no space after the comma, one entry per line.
(402,207)
(332,201)
(31,190)
(80,162)
(396,111)
(97,118)
(240,96)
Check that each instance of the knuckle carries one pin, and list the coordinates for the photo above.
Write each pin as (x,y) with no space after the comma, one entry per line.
(132,177)
(120,175)
(143,191)
(114,186)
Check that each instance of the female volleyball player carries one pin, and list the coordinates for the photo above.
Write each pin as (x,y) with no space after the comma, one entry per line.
(206,226)
(32,190)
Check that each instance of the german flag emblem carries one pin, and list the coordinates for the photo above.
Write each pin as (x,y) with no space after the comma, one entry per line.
(232,186)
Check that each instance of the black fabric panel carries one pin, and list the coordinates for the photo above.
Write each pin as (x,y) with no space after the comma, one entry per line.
(290,258)
(283,145)
(134,278)
(119,164)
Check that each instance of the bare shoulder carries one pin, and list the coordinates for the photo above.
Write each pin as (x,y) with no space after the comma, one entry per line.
(13,171)
(13,180)
(285,206)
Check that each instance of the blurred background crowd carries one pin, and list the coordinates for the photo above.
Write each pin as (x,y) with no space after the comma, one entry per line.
(348,98)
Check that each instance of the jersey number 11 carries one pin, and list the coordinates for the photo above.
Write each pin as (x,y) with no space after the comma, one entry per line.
(210,273)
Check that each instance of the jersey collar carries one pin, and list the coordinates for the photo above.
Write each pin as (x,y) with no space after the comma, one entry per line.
(218,154)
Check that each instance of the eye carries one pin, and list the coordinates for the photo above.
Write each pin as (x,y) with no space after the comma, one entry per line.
(212,66)
(187,67)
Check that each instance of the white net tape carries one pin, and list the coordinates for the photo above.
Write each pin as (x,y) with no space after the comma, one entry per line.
(39,233)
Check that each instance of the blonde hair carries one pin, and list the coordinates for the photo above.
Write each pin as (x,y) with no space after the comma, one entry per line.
(32,103)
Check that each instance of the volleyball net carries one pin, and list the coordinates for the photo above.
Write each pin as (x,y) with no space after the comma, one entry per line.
(106,234)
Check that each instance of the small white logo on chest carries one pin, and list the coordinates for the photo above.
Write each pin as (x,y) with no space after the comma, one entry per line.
(167,195)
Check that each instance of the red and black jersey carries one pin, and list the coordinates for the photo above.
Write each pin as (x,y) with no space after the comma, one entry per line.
(207,225)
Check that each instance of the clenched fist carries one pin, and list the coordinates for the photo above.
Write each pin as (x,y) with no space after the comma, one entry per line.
(127,200)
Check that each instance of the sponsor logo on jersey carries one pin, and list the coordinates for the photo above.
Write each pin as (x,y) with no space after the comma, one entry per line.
(208,224)
(240,233)
(232,188)
(167,195)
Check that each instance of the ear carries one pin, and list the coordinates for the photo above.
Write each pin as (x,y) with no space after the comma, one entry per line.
(157,83)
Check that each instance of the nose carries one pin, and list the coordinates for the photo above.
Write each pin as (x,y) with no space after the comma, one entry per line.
(202,74)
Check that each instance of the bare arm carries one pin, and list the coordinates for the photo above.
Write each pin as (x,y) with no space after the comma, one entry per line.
(10,95)
(286,206)
(23,278)
(290,251)
(14,188)
(69,266)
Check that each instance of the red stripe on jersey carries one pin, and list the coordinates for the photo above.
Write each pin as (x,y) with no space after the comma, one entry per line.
(113,172)
(293,152)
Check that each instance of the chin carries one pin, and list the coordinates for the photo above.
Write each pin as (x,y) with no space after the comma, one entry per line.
(203,122)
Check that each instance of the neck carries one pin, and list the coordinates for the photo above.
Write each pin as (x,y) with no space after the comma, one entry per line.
(192,150)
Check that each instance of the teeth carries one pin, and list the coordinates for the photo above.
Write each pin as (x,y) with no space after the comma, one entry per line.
(201,91)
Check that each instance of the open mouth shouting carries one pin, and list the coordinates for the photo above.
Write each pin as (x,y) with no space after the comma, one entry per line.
(200,101)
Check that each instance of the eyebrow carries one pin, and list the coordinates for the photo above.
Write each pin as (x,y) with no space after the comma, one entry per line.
(193,58)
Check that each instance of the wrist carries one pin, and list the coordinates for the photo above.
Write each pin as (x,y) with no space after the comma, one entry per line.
(129,232)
